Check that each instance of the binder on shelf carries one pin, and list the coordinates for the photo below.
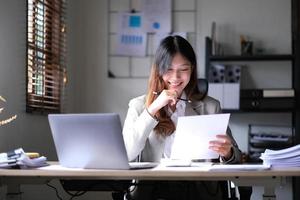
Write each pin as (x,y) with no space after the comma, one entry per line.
(224,85)
(275,104)
(267,93)
(271,141)
(278,93)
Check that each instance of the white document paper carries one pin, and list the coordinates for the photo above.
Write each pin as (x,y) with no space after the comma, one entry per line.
(231,95)
(240,167)
(157,15)
(289,157)
(286,151)
(216,90)
(193,134)
(131,39)
(18,158)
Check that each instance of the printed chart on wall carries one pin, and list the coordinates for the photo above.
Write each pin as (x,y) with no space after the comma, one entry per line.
(131,37)
(157,15)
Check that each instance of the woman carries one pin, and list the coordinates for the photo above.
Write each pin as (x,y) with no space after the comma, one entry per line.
(150,123)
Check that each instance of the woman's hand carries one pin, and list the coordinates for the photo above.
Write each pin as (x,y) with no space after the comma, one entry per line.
(222,145)
(164,98)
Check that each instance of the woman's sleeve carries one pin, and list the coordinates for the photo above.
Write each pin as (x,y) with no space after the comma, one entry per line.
(236,152)
(137,127)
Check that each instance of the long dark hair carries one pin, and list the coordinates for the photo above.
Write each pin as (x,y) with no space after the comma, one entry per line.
(167,49)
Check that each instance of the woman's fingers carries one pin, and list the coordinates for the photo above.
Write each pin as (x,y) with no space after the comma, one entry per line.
(164,98)
(222,145)
(171,96)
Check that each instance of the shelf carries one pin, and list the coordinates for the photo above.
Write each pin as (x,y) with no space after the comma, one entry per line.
(267,104)
(248,111)
(254,104)
(262,57)
(278,57)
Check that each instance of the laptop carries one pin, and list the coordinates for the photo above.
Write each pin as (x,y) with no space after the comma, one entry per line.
(91,141)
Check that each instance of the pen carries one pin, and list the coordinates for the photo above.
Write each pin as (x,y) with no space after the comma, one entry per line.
(157,93)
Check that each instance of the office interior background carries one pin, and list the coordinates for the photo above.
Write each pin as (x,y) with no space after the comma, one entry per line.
(90,90)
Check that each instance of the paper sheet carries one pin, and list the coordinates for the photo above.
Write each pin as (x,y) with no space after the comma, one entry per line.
(240,167)
(157,15)
(193,134)
(131,39)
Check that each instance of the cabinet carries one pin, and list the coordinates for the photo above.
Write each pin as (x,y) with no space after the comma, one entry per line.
(262,137)
(294,58)
(296,82)
(250,100)
(254,100)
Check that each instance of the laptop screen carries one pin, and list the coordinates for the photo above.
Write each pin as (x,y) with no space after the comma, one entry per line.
(89,140)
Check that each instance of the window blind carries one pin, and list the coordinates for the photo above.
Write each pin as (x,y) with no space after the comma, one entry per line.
(46,52)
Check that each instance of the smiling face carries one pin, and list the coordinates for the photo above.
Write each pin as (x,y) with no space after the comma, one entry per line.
(178,74)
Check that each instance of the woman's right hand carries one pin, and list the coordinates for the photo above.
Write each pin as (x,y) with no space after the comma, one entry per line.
(164,98)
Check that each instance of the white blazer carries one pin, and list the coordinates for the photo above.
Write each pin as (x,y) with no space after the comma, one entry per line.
(141,140)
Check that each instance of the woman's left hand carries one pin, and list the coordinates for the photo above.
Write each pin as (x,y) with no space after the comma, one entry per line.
(222,145)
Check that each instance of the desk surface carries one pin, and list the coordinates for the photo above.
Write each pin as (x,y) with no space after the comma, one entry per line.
(159,173)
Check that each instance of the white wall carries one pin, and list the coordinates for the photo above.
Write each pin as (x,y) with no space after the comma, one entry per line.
(89,89)
(94,91)
(28,131)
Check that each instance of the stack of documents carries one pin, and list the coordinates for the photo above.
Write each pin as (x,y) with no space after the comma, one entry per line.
(19,159)
(289,157)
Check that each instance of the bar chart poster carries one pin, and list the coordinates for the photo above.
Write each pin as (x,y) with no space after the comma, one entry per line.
(131,39)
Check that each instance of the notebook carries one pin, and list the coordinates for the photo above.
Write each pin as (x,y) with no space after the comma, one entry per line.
(193,134)
(91,141)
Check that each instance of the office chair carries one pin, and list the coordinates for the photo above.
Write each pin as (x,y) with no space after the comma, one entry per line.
(203,86)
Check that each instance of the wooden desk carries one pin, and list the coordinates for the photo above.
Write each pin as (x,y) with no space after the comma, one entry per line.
(269,179)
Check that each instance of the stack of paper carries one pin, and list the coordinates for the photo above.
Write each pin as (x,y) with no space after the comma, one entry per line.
(19,159)
(289,157)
